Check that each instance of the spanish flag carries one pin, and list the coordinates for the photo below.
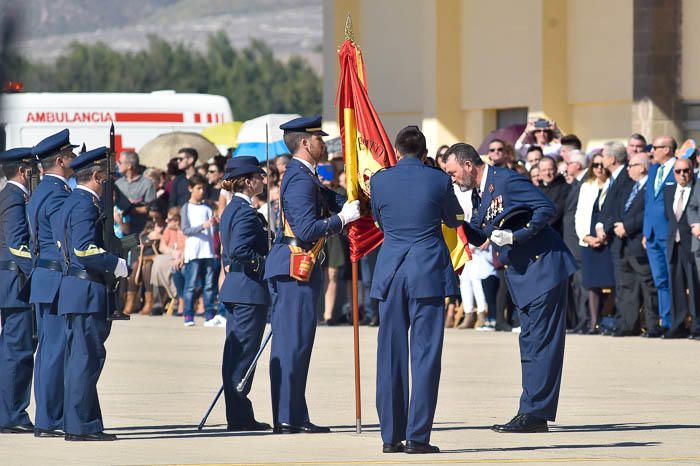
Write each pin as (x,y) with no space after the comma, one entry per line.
(366,146)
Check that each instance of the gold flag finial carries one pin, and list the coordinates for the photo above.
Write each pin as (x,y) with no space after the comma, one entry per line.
(349,35)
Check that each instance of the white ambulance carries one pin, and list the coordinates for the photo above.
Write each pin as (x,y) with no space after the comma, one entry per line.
(27,118)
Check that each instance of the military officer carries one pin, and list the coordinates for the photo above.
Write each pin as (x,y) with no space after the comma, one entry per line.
(243,292)
(43,211)
(309,212)
(82,296)
(412,277)
(16,345)
(514,215)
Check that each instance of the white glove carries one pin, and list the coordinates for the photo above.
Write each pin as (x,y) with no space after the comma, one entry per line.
(121,270)
(502,237)
(350,212)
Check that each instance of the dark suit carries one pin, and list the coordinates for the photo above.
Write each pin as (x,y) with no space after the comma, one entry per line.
(412,277)
(681,263)
(538,266)
(557,191)
(16,350)
(246,297)
(634,283)
(577,307)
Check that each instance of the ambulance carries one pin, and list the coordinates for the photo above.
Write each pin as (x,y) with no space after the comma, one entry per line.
(27,118)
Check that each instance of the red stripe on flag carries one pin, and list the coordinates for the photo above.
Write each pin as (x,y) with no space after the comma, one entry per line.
(148,117)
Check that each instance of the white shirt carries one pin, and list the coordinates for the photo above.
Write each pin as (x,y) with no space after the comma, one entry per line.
(617,172)
(199,245)
(677,195)
(20,186)
(244,197)
(85,188)
(668,168)
(482,186)
(307,165)
(642,181)
(59,177)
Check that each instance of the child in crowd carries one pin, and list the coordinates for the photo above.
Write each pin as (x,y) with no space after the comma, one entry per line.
(199,224)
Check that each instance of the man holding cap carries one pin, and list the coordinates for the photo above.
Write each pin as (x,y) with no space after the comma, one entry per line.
(82,297)
(43,211)
(309,212)
(16,346)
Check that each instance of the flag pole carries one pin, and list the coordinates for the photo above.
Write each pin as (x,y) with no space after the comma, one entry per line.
(356,339)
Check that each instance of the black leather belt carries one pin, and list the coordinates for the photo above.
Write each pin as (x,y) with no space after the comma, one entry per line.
(9,265)
(85,275)
(291,241)
(49,264)
(236,267)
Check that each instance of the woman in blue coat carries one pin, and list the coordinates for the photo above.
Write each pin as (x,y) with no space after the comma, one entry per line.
(244,291)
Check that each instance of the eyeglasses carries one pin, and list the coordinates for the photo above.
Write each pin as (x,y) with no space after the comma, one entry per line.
(633,165)
(684,171)
(597,165)
(496,149)
(658,147)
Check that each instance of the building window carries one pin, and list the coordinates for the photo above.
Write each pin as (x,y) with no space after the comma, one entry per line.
(692,120)
(511,116)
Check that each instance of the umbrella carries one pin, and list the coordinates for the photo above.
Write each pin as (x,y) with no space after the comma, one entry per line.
(223,135)
(509,134)
(251,137)
(158,151)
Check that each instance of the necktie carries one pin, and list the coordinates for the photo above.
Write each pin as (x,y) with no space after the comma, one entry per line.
(678,211)
(632,195)
(476,202)
(659,180)
(612,181)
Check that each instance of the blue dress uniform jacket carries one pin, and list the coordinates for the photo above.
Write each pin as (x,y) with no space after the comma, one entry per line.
(538,267)
(656,233)
(303,195)
(413,274)
(16,346)
(246,297)
(539,260)
(244,242)
(293,317)
(43,212)
(82,239)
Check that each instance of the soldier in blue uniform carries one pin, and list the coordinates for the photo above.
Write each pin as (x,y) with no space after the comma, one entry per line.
(82,297)
(514,215)
(309,212)
(413,275)
(16,345)
(43,211)
(244,292)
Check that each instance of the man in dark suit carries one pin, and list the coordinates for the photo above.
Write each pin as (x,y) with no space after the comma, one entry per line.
(538,266)
(412,277)
(615,161)
(655,221)
(692,211)
(578,316)
(681,263)
(634,283)
(555,187)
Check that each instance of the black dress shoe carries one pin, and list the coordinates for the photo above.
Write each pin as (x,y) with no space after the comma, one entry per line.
(251,427)
(374,322)
(413,448)
(522,423)
(96,437)
(623,333)
(19,429)
(45,433)
(305,428)
(694,336)
(393,447)
(652,334)
(674,334)
(309,428)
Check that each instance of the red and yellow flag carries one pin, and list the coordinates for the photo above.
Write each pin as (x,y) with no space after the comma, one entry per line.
(366,146)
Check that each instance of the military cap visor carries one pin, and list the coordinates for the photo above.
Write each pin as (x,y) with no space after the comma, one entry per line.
(53,144)
(88,158)
(241,166)
(18,154)
(310,124)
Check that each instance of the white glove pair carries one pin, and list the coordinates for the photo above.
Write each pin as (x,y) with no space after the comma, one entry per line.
(350,212)
(502,237)
(121,270)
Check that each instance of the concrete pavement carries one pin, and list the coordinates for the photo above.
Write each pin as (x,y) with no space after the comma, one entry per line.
(623,401)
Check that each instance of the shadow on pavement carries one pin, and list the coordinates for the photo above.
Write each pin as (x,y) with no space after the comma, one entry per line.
(555,447)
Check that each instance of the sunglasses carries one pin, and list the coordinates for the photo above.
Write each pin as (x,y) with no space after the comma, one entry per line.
(597,165)
(496,149)
(684,171)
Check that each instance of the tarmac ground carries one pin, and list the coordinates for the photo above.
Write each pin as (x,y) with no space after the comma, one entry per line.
(623,401)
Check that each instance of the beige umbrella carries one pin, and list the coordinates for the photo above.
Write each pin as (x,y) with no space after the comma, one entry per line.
(158,151)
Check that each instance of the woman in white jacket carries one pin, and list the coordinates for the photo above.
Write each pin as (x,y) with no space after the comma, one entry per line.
(596,261)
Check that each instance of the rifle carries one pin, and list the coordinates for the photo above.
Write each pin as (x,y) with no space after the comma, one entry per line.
(118,247)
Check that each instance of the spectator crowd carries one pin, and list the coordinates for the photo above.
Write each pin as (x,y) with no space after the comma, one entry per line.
(629,213)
